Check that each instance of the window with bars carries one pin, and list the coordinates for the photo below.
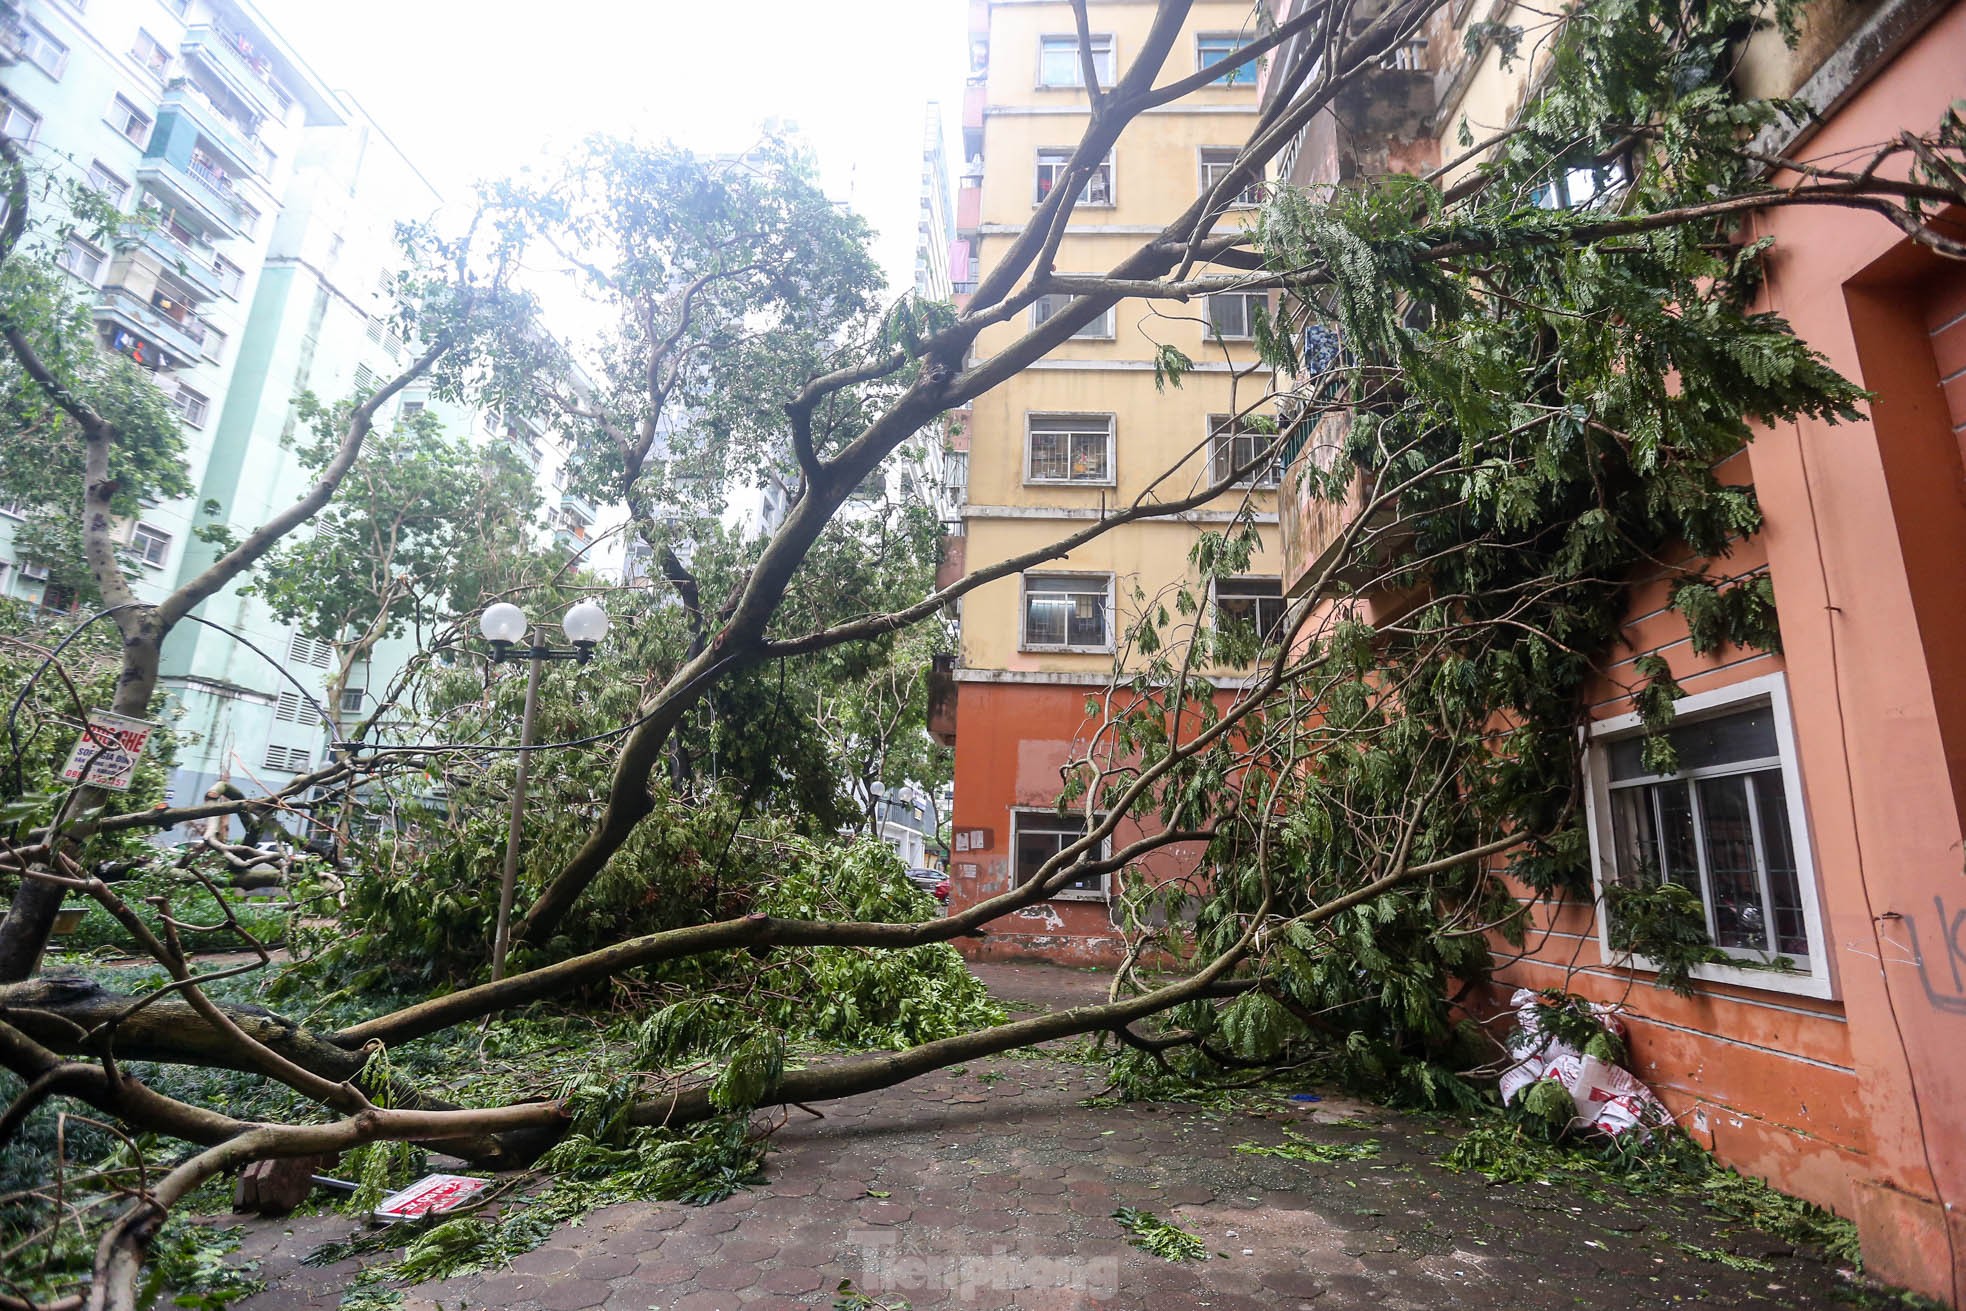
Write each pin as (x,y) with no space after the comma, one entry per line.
(1100,328)
(365,379)
(151,545)
(1068,612)
(1059,64)
(1039,835)
(1232,314)
(1724,824)
(305,650)
(1216,164)
(354,700)
(1053,165)
(1070,448)
(1251,607)
(1234,443)
(1213,48)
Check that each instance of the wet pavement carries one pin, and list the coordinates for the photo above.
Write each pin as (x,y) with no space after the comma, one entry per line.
(995,1187)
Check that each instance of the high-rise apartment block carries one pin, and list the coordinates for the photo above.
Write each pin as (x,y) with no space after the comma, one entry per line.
(261,271)
(1082,431)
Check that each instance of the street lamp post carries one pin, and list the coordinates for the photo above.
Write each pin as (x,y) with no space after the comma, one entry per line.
(505,625)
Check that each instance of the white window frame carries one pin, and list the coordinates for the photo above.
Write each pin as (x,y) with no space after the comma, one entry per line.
(1025,817)
(199,402)
(109,183)
(11,105)
(1282,601)
(1106,71)
(142,536)
(1249,299)
(1057,159)
(1099,329)
(121,107)
(1770,690)
(156,68)
(1211,171)
(1024,611)
(1222,425)
(32,29)
(1085,424)
(1245,75)
(74,243)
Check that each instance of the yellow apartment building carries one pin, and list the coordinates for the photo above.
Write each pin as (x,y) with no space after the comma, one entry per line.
(1084,431)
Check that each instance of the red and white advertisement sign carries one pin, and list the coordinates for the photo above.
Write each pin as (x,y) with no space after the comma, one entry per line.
(107,753)
(431,1195)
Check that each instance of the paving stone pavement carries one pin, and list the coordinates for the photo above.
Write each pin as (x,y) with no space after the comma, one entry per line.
(995,1187)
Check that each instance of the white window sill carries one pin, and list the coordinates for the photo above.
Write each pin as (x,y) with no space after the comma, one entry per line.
(1794,982)
(1067,650)
(1069,482)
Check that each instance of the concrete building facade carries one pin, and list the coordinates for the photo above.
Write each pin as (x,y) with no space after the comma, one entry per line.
(1085,428)
(262,272)
(1838,1078)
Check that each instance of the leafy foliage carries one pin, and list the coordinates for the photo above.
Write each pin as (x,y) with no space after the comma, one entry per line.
(1296,1147)
(1162,1238)
(1664,922)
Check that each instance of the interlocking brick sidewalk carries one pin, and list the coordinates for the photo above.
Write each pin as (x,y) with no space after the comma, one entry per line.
(995,1188)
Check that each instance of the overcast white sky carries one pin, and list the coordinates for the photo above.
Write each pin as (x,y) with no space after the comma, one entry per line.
(480,88)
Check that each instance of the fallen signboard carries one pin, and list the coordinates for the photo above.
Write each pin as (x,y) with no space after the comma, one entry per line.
(107,753)
(431,1195)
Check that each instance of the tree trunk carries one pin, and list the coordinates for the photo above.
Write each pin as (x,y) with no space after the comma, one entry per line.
(30,918)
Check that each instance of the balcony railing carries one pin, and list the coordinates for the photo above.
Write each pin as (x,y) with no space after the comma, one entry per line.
(233,57)
(223,131)
(183,339)
(200,269)
(207,191)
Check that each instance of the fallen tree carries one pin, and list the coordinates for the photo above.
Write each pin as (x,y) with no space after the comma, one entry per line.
(1529,405)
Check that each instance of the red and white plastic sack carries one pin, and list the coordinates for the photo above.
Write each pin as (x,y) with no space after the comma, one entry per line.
(1609,1098)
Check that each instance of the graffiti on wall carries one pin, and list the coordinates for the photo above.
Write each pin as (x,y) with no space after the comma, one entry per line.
(1943,968)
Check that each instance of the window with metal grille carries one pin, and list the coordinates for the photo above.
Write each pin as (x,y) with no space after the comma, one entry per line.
(1070,448)
(1251,607)
(1720,824)
(1054,164)
(1068,612)
(1216,163)
(1234,443)
(1039,835)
